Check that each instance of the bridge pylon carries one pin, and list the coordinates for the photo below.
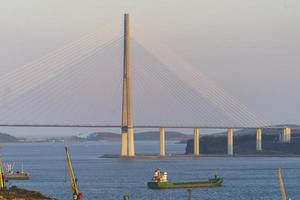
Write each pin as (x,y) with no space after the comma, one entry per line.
(127,143)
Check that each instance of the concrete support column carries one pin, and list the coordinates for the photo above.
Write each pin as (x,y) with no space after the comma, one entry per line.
(196,142)
(162,144)
(124,145)
(286,135)
(131,152)
(230,142)
(127,143)
(289,133)
(258,139)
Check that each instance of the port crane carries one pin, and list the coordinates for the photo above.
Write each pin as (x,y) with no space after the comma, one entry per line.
(73,180)
(282,186)
(2,178)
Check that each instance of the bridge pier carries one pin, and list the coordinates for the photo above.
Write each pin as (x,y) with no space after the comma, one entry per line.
(230,142)
(131,152)
(286,135)
(124,144)
(162,142)
(258,139)
(196,142)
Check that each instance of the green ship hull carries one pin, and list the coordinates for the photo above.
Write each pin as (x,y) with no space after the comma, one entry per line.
(216,182)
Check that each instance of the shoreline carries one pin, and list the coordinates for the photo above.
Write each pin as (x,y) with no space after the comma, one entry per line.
(167,156)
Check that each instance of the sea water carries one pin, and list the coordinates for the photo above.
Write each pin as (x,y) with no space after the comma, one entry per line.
(245,178)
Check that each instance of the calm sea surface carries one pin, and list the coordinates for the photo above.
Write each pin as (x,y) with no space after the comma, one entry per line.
(110,179)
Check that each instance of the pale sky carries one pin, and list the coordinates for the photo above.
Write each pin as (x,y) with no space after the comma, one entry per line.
(249,47)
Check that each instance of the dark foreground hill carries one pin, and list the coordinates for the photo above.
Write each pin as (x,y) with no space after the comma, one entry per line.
(4,137)
(245,143)
(149,135)
(21,194)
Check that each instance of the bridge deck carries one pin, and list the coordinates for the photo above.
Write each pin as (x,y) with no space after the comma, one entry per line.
(137,126)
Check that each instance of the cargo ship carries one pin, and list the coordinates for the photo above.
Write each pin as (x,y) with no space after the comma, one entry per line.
(160,181)
(18,175)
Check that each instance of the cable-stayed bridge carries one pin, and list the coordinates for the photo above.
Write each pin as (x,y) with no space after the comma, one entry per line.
(105,80)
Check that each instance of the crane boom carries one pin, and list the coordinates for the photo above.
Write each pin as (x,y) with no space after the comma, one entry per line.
(282,186)
(2,178)
(73,180)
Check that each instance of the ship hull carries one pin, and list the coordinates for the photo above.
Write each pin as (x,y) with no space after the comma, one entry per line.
(17,176)
(196,184)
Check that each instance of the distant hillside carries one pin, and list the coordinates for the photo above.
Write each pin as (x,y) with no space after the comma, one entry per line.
(170,135)
(108,136)
(265,131)
(149,135)
(245,143)
(4,138)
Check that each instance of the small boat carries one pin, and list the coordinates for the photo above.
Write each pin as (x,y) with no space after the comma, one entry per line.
(160,181)
(18,175)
